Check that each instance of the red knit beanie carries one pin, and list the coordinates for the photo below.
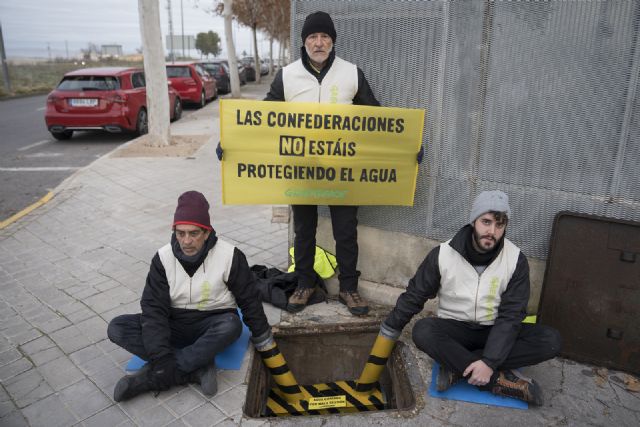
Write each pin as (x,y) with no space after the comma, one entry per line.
(193,209)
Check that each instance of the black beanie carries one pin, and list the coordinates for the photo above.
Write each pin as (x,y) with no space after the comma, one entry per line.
(193,209)
(318,22)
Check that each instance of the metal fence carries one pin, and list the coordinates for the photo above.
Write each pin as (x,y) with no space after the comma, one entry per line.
(537,98)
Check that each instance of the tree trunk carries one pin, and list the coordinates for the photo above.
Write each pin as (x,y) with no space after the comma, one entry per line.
(155,72)
(256,58)
(270,56)
(231,49)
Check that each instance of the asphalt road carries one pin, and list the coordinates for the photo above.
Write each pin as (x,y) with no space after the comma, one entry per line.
(32,162)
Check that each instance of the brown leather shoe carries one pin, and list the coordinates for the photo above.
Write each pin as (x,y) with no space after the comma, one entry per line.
(299,299)
(511,383)
(354,302)
(446,378)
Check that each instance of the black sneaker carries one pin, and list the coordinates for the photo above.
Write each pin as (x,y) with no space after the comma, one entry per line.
(132,385)
(511,383)
(207,378)
(446,378)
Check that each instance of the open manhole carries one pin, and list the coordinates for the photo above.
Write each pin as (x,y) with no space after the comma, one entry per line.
(327,360)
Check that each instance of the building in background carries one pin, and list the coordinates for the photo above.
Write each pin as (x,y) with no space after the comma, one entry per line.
(111,50)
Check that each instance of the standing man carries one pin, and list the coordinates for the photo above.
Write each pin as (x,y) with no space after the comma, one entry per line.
(482,282)
(320,76)
(189,311)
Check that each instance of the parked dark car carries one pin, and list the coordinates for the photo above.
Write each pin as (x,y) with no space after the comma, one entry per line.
(242,72)
(113,99)
(219,68)
(264,67)
(249,68)
(192,82)
(220,73)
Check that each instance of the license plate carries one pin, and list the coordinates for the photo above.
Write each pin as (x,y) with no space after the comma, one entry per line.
(83,102)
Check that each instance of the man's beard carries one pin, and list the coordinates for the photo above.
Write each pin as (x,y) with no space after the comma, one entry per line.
(479,243)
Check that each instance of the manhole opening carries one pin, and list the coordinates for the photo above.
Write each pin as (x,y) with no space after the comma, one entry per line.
(328,354)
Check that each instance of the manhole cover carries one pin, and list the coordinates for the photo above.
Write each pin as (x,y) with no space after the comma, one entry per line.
(326,360)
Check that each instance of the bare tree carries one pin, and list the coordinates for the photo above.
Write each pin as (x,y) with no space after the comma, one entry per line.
(277,25)
(269,16)
(253,14)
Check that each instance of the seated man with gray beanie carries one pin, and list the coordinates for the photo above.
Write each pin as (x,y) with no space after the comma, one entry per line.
(481,280)
(189,307)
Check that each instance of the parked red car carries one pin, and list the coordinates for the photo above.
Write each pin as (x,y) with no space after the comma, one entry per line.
(192,81)
(109,98)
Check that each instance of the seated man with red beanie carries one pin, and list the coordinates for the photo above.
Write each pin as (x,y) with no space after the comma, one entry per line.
(189,307)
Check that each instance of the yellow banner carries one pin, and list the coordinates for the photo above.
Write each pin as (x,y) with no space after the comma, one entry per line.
(318,154)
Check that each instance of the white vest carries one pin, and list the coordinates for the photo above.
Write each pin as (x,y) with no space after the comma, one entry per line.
(207,289)
(339,85)
(468,296)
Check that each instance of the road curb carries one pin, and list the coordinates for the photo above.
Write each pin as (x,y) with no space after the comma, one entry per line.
(26,210)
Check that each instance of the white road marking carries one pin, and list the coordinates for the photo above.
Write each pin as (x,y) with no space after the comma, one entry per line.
(41,109)
(43,155)
(35,144)
(40,169)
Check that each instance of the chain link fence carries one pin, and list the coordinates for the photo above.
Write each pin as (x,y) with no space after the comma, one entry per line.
(539,99)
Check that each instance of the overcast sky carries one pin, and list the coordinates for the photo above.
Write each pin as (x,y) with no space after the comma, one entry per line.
(29,27)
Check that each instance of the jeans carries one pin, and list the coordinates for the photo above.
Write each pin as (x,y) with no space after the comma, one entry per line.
(457,344)
(195,345)
(344,222)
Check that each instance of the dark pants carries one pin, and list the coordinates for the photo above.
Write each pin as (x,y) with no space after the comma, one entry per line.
(456,344)
(195,344)
(344,221)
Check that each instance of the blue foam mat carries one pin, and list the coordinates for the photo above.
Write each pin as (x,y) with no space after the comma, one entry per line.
(230,358)
(466,392)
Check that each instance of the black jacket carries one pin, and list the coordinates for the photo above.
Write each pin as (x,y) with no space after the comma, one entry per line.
(156,302)
(426,284)
(364,95)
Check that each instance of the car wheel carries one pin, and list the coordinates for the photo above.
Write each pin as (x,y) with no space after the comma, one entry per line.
(203,100)
(142,122)
(177,109)
(62,136)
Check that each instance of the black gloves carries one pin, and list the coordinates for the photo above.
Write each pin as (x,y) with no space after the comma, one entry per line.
(219,151)
(163,372)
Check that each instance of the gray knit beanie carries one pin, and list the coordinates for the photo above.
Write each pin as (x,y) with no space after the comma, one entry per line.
(488,201)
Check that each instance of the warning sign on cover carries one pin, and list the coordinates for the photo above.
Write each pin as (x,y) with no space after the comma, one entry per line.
(328,402)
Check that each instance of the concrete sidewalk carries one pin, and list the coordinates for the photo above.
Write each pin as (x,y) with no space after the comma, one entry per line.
(69,267)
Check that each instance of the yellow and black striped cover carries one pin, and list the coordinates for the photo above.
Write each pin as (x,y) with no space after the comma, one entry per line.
(353,401)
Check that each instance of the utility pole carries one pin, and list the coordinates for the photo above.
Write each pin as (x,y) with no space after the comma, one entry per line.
(5,69)
(182,19)
(49,50)
(171,55)
(66,46)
